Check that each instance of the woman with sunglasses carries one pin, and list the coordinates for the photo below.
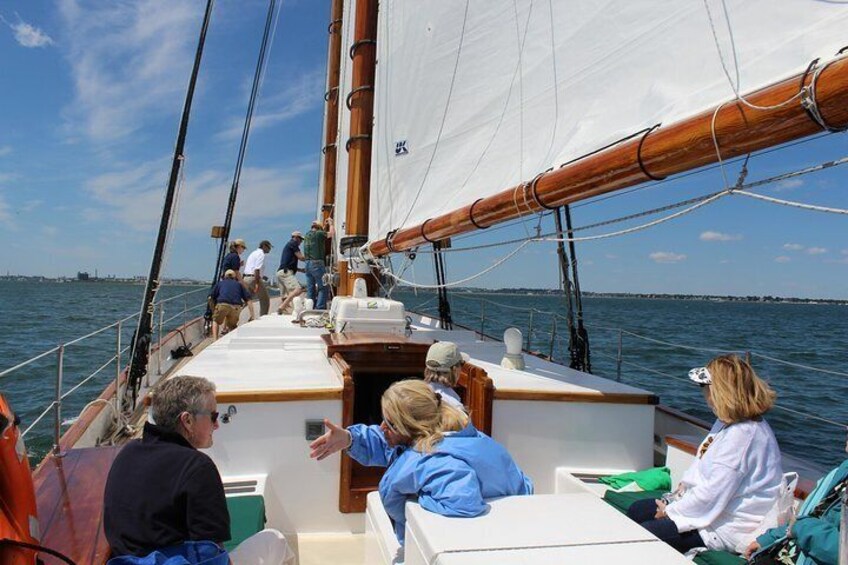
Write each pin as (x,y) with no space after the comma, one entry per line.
(727,492)
(432,453)
(162,493)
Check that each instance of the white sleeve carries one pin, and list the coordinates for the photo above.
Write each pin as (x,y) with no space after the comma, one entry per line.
(703,503)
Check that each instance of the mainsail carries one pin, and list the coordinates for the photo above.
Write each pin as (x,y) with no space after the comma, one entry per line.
(475,97)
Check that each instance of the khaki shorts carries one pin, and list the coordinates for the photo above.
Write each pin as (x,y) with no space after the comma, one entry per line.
(287,281)
(227,312)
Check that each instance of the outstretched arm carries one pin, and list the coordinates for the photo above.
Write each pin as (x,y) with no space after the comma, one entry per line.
(334,439)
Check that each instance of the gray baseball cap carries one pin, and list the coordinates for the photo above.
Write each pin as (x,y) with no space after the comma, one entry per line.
(443,355)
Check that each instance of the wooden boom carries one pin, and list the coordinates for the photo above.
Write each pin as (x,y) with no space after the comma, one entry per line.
(658,153)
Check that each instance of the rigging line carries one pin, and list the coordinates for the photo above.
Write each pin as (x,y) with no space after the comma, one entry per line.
(793,204)
(799,365)
(778,406)
(465,280)
(735,87)
(444,115)
(664,219)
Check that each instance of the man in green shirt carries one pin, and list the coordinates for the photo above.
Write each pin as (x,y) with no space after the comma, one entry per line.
(315,251)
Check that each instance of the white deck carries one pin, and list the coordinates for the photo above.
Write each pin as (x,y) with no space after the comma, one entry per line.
(268,357)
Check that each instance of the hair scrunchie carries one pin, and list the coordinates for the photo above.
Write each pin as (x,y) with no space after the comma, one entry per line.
(438,398)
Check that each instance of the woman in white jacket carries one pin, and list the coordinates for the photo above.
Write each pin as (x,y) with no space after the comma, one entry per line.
(735,480)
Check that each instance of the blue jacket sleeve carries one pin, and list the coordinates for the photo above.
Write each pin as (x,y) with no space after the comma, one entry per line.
(368,446)
(449,486)
(818,539)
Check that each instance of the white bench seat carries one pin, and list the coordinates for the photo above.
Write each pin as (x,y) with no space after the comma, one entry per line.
(521,527)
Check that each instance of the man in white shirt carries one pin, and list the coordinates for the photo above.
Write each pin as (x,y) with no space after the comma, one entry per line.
(254,275)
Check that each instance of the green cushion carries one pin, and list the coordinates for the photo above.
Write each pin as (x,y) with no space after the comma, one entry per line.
(621,501)
(719,558)
(247,517)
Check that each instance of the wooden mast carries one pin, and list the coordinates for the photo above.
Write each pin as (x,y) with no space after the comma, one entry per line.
(661,152)
(360,100)
(331,109)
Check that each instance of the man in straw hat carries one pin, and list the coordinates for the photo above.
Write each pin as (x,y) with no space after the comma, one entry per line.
(289,285)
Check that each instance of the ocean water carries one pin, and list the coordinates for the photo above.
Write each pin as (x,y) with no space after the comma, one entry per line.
(38,316)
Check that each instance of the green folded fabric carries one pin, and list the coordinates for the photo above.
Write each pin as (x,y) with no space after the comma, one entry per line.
(658,478)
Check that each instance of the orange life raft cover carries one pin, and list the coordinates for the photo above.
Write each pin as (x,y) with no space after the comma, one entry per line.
(17,497)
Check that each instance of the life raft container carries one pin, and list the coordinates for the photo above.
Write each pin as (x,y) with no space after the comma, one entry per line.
(18,522)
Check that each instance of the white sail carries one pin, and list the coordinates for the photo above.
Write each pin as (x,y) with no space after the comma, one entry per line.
(474,97)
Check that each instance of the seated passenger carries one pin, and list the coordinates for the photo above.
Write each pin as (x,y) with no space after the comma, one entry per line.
(815,533)
(432,452)
(162,492)
(735,479)
(229,296)
(444,361)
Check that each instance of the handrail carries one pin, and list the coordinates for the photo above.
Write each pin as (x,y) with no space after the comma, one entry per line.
(658,341)
(55,405)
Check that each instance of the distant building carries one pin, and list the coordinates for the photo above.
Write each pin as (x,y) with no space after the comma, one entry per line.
(82,276)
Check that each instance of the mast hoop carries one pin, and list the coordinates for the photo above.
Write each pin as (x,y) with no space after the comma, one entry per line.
(358,137)
(357,44)
(331,92)
(641,163)
(808,95)
(533,192)
(471,215)
(389,236)
(424,232)
(330,29)
(327,148)
(363,88)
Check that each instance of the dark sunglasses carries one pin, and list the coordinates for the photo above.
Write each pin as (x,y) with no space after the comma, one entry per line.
(702,385)
(212,415)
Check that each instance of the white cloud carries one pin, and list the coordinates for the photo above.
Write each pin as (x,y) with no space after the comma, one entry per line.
(845,251)
(31,205)
(49,230)
(793,246)
(302,95)
(611,256)
(129,62)
(5,150)
(134,196)
(718,236)
(667,257)
(816,250)
(788,184)
(6,177)
(5,211)
(782,259)
(28,35)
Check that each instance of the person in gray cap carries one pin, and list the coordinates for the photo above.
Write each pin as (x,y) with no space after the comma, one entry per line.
(443,364)
(286,279)
(254,275)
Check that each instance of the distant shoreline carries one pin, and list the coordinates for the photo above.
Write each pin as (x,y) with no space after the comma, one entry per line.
(476,291)
(657,296)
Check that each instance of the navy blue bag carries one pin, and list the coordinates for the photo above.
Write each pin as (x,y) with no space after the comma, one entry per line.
(188,553)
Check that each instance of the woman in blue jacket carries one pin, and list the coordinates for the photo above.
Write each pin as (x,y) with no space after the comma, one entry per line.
(432,453)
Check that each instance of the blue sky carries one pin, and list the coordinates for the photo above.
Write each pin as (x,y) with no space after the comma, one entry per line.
(92,94)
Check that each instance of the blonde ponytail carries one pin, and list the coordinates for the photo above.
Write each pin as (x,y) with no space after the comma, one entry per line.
(418,413)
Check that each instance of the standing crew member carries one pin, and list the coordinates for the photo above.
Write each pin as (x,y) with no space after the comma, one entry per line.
(286,279)
(315,251)
(233,260)
(229,296)
(254,275)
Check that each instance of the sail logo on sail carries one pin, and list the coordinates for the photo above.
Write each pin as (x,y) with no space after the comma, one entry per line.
(400,148)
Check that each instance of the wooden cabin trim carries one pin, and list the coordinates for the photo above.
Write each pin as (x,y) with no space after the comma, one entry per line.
(281,395)
(576,396)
